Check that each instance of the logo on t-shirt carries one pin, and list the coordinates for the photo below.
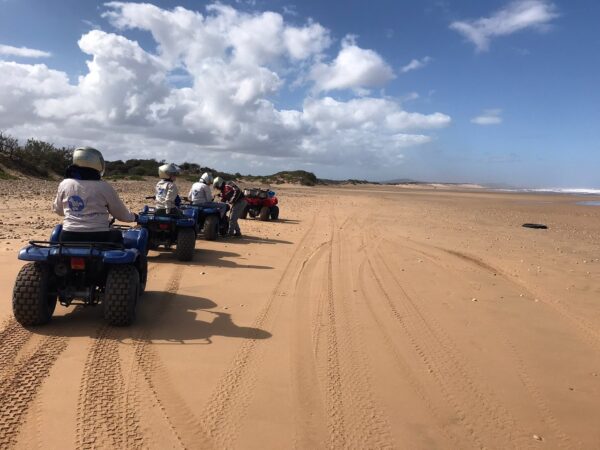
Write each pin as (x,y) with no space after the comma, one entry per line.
(76,203)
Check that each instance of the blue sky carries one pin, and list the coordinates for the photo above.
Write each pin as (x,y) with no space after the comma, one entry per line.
(497,91)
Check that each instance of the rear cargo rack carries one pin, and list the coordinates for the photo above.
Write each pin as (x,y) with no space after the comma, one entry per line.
(91,245)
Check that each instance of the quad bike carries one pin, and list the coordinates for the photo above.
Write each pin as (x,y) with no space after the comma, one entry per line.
(81,273)
(262,203)
(210,221)
(170,229)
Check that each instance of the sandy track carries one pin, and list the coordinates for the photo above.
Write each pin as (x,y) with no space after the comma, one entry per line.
(372,318)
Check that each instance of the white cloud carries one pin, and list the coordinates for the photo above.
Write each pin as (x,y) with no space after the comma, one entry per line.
(516,16)
(24,52)
(233,66)
(353,68)
(488,117)
(303,42)
(416,64)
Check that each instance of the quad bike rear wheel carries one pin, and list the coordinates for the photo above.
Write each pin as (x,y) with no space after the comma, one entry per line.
(211,228)
(186,244)
(265,211)
(33,300)
(121,295)
(274,212)
(244,214)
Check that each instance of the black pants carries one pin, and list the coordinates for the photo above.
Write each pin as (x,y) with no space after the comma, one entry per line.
(113,236)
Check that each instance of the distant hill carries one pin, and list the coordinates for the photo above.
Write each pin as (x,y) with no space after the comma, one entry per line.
(301,177)
(402,181)
(39,159)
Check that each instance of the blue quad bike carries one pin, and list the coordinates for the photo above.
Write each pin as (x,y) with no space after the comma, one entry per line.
(170,230)
(81,273)
(209,221)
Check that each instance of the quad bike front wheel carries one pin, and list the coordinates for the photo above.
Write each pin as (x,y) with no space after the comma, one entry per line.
(244,214)
(274,212)
(211,228)
(265,211)
(186,244)
(143,270)
(121,295)
(33,301)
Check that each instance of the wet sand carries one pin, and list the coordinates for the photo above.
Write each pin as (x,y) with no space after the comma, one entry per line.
(368,317)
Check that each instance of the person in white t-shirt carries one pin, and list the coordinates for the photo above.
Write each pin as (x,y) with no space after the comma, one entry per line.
(201,194)
(86,201)
(166,193)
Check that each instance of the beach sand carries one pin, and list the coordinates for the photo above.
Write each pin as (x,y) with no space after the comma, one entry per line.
(367,317)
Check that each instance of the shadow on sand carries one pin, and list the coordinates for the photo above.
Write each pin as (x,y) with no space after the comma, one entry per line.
(206,257)
(162,318)
(247,239)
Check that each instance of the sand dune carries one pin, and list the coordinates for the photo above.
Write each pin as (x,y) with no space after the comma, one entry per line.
(369,317)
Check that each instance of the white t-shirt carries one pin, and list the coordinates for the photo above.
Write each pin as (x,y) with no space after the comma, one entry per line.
(86,205)
(200,193)
(166,193)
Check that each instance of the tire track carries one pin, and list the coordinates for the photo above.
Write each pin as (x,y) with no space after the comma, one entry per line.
(13,338)
(226,407)
(400,362)
(528,383)
(335,401)
(148,369)
(441,357)
(586,330)
(367,425)
(403,367)
(21,390)
(304,373)
(102,415)
(108,408)
(546,413)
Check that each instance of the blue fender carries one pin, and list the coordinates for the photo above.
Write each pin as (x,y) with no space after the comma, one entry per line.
(55,235)
(136,238)
(127,256)
(34,254)
(190,212)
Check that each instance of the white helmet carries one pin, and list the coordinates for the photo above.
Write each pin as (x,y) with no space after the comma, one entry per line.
(218,182)
(89,157)
(168,170)
(206,178)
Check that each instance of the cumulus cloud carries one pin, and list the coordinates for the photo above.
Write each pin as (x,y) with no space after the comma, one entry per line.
(488,117)
(24,52)
(353,68)
(234,65)
(516,16)
(415,64)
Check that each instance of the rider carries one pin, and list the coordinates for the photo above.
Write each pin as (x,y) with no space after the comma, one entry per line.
(201,194)
(232,194)
(86,201)
(166,193)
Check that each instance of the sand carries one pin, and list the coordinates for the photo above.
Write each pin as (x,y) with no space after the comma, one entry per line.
(368,317)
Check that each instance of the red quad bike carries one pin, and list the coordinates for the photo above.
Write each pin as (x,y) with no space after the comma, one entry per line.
(262,203)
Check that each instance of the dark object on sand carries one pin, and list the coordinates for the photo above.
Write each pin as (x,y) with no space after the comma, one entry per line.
(535,225)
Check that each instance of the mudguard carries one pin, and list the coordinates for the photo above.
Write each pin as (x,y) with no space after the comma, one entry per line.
(55,235)
(187,222)
(190,212)
(136,238)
